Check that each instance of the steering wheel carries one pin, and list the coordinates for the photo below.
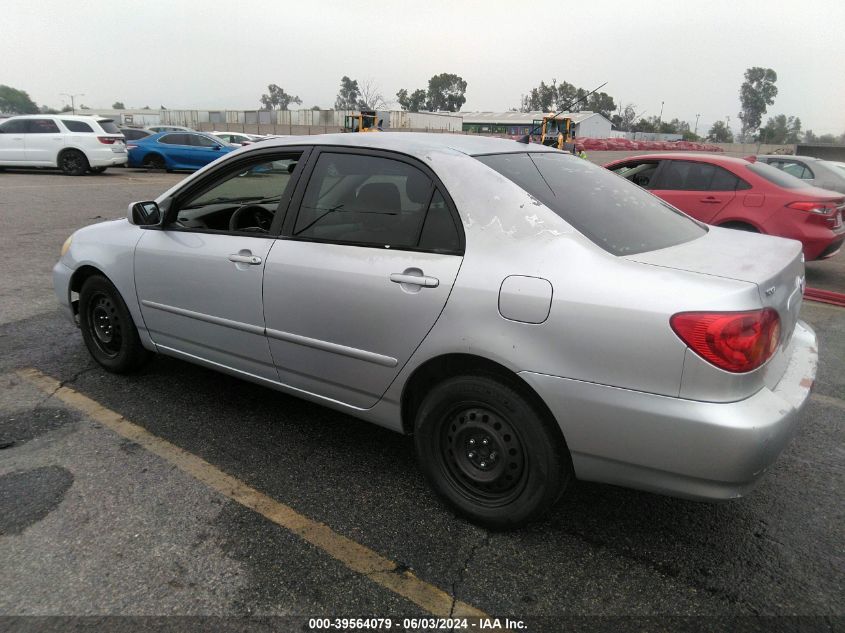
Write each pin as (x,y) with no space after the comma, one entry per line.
(254,217)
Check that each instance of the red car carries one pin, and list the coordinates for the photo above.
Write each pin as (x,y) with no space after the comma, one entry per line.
(742,194)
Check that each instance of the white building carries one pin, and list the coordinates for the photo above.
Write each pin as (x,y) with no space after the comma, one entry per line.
(587,124)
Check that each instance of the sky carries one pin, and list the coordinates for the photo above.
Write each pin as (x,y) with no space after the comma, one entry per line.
(210,54)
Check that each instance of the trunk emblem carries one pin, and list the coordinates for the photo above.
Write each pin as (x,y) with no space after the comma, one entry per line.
(770,291)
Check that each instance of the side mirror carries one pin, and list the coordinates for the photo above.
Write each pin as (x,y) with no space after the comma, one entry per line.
(216,148)
(144,213)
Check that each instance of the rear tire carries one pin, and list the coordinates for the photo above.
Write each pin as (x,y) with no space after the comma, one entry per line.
(154,161)
(72,162)
(489,453)
(107,327)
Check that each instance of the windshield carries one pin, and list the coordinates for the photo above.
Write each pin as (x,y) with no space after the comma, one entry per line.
(776,176)
(617,215)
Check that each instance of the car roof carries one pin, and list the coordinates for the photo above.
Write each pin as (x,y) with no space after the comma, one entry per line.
(808,159)
(66,117)
(413,143)
(699,156)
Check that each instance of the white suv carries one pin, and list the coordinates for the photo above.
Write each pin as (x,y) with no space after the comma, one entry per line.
(74,144)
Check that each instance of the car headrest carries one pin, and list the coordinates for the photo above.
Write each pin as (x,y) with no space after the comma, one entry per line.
(378,196)
(418,188)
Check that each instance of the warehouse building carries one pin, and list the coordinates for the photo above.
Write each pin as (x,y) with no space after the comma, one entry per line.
(587,124)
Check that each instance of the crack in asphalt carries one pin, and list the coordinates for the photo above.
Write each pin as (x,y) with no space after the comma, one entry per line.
(69,381)
(457,582)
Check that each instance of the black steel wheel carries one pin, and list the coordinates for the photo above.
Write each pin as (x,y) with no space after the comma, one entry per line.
(490,452)
(154,161)
(107,327)
(72,162)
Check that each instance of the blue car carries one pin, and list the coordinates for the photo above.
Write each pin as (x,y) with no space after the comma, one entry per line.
(176,150)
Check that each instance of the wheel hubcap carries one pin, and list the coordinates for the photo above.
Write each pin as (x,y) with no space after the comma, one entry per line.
(484,455)
(104,324)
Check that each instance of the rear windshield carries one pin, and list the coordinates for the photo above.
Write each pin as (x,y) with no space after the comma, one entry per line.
(776,176)
(614,213)
(108,126)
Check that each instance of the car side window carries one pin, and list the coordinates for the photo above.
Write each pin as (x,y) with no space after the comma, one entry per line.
(796,169)
(439,232)
(77,126)
(241,201)
(42,126)
(723,180)
(13,127)
(365,200)
(175,139)
(681,175)
(639,173)
(199,140)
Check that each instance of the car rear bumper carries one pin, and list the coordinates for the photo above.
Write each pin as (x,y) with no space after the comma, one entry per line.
(106,157)
(687,448)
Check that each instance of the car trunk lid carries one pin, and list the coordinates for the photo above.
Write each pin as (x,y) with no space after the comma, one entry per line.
(775,265)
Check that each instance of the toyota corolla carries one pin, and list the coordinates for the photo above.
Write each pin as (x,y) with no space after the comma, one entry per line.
(528,317)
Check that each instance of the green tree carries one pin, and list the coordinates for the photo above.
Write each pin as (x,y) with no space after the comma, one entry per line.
(47,110)
(276,97)
(780,130)
(756,93)
(446,91)
(315,107)
(67,108)
(720,133)
(543,98)
(14,101)
(348,95)
(600,102)
(413,102)
(809,137)
(826,138)
(118,105)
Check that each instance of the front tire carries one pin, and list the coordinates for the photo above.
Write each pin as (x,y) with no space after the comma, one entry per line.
(107,327)
(73,163)
(489,452)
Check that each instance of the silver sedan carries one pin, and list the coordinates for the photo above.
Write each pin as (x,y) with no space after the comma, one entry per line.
(528,317)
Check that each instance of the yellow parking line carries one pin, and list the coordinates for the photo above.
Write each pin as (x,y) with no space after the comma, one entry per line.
(355,556)
(828,400)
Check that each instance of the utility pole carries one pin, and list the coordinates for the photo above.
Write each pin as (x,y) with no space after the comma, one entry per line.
(695,132)
(72,99)
(660,118)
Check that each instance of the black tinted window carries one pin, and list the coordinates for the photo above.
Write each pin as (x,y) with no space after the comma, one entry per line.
(109,126)
(681,175)
(615,214)
(439,231)
(175,139)
(723,180)
(42,126)
(77,126)
(641,174)
(133,135)
(364,200)
(17,126)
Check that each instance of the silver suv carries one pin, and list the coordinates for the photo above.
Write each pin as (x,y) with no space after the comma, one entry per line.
(74,144)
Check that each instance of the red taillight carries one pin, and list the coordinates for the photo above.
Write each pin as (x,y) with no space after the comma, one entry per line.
(733,341)
(822,208)
(107,140)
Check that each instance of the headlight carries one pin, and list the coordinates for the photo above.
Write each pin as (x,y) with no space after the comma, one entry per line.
(66,246)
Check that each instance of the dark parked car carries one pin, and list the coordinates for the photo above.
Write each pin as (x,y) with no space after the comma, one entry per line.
(743,194)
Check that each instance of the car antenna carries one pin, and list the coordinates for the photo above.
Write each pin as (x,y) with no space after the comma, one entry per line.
(527,138)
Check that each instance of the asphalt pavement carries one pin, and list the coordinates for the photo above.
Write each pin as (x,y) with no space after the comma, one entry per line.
(93,523)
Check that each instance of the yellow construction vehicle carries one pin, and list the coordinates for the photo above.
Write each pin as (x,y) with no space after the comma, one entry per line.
(554,130)
(363,121)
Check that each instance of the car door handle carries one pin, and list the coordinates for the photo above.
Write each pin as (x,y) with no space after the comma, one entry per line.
(253,260)
(414,280)
(710,200)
